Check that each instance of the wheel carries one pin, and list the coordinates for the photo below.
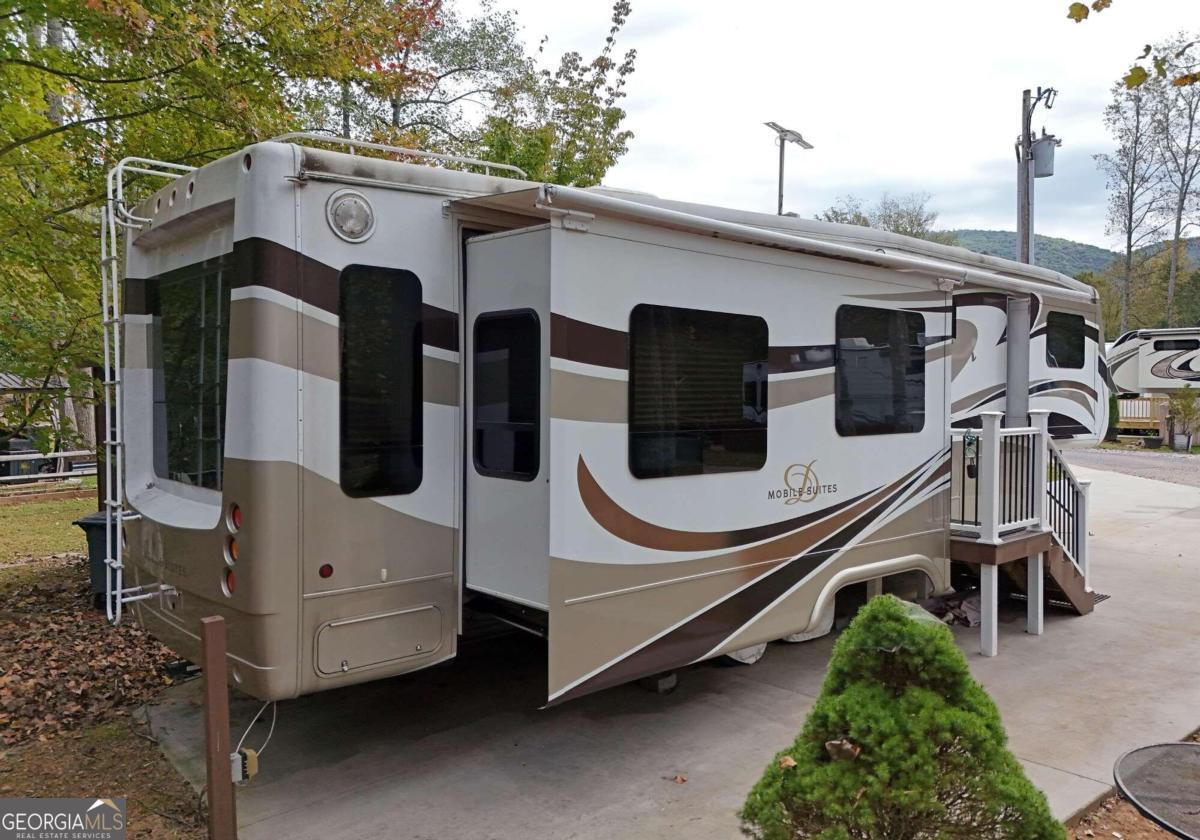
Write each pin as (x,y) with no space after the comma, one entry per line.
(745,656)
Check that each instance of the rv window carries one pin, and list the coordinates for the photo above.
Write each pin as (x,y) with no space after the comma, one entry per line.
(506,394)
(1064,340)
(191,319)
(381,428)
(697,392)
(879,376)
(1176,344)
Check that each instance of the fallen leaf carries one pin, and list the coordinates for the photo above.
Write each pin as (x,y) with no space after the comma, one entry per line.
(679,778)
(786,761)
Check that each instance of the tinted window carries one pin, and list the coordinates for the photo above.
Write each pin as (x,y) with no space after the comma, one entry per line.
(1177,344)
(1064,340)
(879,376)
(381,430)
(506,394)
(191,337)
(697,392)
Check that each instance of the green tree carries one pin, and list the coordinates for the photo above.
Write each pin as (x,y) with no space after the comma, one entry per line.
(908,214)
(901,743)
(566,126)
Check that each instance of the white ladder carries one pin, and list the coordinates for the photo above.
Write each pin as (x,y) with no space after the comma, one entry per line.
(115,218)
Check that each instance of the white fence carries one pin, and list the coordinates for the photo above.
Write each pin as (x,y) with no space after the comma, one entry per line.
(61,467)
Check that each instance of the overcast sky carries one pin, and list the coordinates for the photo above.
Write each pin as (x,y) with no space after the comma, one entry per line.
(896,95)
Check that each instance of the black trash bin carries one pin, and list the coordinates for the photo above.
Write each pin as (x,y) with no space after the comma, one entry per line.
(93,527)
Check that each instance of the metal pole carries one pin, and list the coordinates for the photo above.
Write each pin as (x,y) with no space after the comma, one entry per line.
(782,145)
(1025,183)
(222,813)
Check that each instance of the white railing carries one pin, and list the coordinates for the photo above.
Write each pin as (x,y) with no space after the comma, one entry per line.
(61,470)
(1005,480)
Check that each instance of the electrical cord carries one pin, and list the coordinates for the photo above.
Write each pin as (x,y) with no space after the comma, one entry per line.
(274,713)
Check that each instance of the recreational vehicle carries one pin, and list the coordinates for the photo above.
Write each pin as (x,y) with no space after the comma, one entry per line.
(1155,361)
(1147,365)
(353,397)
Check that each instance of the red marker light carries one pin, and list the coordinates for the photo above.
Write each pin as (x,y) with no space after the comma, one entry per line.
(325,571)
(230,582)
(235,518)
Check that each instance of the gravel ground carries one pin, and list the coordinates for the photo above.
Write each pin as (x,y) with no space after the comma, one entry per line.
(1163,466)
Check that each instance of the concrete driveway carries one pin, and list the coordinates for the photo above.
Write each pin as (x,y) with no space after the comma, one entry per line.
(462,751)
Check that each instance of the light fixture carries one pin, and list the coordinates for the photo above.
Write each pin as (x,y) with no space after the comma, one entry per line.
(789,136)
(350,215)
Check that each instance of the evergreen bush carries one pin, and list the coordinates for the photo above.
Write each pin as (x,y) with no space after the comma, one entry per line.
(902,744)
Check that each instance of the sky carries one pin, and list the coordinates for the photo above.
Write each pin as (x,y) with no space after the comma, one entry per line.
(895,95)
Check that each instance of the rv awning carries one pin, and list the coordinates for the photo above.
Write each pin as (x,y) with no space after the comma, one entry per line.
(549,200)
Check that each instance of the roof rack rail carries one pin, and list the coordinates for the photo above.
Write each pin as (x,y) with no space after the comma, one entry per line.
(312,136)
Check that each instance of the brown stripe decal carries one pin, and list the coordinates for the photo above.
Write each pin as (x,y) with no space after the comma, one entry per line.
(696,637)
(261,262)
(628,527)
(579,341)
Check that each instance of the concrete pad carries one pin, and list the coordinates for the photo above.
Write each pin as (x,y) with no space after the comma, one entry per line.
(462,750)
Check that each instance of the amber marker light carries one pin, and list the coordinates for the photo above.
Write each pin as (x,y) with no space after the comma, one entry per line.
(231,551)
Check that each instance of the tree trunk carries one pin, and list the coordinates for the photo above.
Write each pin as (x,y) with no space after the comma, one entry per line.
(1127,285)
(1174,264)
(347,101)
(54,41)
(396,112)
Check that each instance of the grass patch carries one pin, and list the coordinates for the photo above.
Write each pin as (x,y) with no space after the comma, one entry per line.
(36,529)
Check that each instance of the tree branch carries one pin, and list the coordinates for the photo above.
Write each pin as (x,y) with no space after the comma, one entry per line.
(79,77)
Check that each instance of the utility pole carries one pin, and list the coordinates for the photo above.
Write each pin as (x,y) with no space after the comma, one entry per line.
(1035,159)
(1025,181)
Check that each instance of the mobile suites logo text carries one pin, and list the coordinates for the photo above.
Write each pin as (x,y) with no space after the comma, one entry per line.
(800,485)
(62,819)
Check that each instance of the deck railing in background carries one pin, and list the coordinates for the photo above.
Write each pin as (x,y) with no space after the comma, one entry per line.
(62,468)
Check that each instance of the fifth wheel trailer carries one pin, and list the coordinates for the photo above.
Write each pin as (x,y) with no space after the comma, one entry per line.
(359,396)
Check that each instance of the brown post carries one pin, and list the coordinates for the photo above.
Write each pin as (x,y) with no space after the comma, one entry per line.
(222,814)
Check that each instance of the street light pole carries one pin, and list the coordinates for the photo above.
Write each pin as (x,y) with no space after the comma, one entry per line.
(785,136)
(782,146)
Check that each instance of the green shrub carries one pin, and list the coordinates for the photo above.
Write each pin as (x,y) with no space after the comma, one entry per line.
(901,745)
(1114,410)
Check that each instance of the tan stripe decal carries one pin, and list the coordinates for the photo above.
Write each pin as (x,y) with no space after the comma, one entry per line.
(785,392)
(576,396)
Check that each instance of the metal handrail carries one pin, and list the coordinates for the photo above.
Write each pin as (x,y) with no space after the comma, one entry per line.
(487,165)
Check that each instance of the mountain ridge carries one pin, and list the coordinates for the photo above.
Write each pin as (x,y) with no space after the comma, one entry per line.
(1063,255)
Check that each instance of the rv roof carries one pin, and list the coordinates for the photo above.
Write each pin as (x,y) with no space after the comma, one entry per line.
(514,195)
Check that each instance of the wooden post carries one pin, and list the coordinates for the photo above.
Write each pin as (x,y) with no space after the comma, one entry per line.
(222,813)
(988,483)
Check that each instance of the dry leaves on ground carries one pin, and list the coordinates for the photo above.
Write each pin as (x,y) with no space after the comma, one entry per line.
(62,665)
